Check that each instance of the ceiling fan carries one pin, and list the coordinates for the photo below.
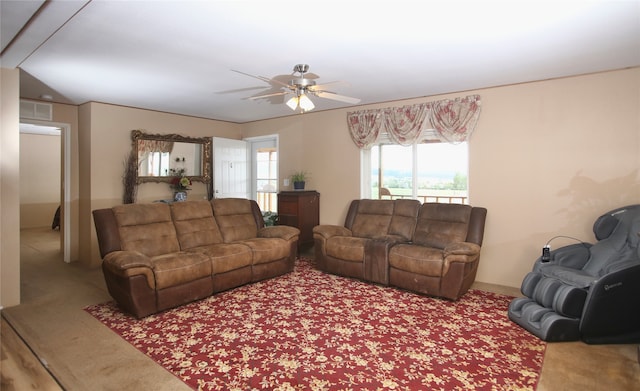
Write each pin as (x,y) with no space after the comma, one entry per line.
(301,87)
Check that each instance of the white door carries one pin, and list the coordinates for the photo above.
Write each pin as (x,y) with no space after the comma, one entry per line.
(231,177)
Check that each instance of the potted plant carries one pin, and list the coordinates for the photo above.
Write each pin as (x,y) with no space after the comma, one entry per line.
(270,218)
(298,178)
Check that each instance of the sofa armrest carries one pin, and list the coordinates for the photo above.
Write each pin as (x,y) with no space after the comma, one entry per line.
(129,263)
(328,231)
(459,252)
(279,231)
(120,260)
(461,248)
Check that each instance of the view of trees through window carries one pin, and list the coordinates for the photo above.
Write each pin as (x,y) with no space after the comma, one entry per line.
(431,172)
(267,178)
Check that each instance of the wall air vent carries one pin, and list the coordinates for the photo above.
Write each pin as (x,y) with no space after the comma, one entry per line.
(36,110)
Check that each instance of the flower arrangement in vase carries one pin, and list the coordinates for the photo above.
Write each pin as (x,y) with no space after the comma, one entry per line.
(180,184)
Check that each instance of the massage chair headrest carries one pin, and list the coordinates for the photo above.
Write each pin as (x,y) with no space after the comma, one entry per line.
(604,226)
(607,223)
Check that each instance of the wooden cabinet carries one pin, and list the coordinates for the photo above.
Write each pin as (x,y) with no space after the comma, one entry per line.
(300,209)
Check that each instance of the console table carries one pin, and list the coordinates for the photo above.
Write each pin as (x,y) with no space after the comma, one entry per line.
(300,209)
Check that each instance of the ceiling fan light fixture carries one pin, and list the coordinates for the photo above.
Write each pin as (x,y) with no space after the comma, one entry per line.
(293,103)
(305,103)
(301,87)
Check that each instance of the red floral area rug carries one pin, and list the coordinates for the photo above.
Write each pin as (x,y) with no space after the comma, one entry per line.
(313,331)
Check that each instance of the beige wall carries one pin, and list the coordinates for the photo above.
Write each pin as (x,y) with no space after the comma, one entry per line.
(546,159)
(105,142)
(39,179)
(9,187)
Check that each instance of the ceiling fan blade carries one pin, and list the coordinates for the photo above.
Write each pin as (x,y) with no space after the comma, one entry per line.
(264,79)
(267,80)
(267,95)
(333,96)
(309,75)
(322,87)
(240,90)
(301,85)
(275,80)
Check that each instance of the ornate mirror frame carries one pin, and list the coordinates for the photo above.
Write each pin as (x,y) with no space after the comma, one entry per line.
(137,135)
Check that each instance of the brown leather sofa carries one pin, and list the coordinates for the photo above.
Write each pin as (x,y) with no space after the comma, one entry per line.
(157,256)
(360,248)
(433,248)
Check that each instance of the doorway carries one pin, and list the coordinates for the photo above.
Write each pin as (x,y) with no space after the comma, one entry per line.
(264,172)
(247,169)
(45,167)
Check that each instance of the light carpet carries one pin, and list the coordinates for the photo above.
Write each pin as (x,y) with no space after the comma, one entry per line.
(309,330)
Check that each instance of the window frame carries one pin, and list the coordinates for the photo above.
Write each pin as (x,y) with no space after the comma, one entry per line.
(366,166)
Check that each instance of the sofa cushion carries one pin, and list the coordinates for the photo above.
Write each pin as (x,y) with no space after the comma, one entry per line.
(235,219)
(441,224)
(146,228)
(226,257)
(195,225)
(373,218)
(422,260)
(346,248)
(403,221)
(180,268)
(268,249)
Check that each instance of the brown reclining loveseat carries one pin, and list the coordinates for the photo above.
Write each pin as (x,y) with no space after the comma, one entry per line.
(157,256)
(433,248)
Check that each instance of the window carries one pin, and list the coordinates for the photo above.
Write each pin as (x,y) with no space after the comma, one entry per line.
(267,178)
(428,172)
(157,164)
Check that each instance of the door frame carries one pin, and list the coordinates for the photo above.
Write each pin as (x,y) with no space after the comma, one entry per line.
(65,183)
(252,141)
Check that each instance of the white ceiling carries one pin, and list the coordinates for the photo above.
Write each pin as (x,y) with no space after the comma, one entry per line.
(178,56)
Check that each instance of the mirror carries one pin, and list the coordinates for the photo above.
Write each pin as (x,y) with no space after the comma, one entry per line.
(160,157)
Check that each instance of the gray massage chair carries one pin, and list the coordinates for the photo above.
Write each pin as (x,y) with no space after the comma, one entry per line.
(588,292)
